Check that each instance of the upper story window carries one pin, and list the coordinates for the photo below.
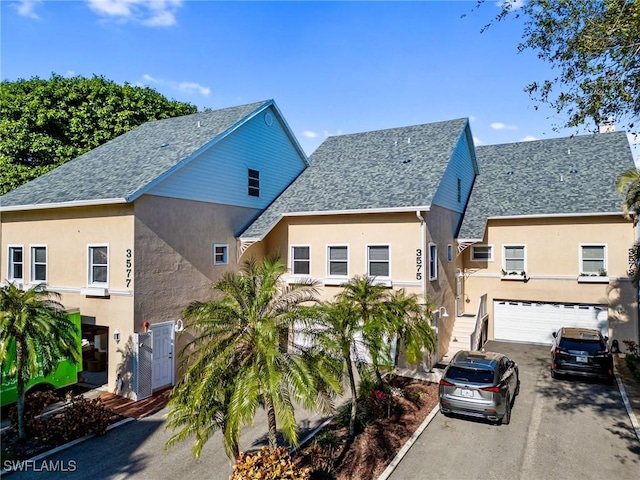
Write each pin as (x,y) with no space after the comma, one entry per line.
(98,265)
(514,258)
(338,261)
(300,260)
(433,261)
(220,254)
(481,253)
(16,264)
(253,183)
(449,253)
(38,264)
(593,259)
(378,260)
(459,190)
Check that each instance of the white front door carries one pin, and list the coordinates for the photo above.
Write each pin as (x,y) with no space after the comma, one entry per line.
(162,354)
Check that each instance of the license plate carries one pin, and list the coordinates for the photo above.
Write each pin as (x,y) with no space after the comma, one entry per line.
(467,393)
(582,359)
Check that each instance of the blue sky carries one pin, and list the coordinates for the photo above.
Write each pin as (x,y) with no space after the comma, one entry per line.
(332,67)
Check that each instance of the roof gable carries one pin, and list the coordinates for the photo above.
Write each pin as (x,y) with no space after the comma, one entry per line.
(378,170)
(127,166)
(560,176)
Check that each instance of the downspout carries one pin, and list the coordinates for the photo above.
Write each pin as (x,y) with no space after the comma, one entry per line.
(423,239)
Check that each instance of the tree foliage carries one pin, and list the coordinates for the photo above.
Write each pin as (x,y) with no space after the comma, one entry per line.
(47,122)
(594,45)
(35,335)
(239,360)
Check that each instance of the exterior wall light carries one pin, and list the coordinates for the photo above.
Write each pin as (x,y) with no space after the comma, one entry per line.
(116,335)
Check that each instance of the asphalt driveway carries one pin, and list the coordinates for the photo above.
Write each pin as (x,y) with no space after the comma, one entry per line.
(560,429)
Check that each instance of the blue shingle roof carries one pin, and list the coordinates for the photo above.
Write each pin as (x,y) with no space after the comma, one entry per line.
(122,167)
(384,169)
(573,175)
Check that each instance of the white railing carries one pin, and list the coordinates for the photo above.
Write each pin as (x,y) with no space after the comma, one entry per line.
(474,340)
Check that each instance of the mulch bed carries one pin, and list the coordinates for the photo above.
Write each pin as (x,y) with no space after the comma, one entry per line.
(36,444)
(371,451)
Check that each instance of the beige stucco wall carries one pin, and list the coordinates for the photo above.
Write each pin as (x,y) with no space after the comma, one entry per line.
(173,255)
(553,267)
(67,232)
(404,234)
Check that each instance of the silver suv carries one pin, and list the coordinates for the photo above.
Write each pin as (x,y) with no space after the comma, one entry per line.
(480,384)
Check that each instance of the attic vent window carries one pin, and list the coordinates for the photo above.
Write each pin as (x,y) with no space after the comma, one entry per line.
(510,172)
(408,160)
(253,183)
(268,119)
(573,170)
(164,145)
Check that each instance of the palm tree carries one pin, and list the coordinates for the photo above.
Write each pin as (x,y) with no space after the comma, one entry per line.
(366,316)
(239,359)
(411,326)
(35,335)
(368,303)
(629,186)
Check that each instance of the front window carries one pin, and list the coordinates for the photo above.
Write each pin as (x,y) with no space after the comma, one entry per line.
(300,260)
(481,253)
(514,260)
(16,264)
(98,265)
(38,264)
(220,254)
(593,260)
(338,261)
(433,261)
(378,260)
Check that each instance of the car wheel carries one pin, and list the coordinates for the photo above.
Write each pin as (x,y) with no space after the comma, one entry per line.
(610,381)
(517,392)
(554,374)
(507,413)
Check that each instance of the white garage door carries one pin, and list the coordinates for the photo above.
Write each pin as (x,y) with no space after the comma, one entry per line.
(535,322)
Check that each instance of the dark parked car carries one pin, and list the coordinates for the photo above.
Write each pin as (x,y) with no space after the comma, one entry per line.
(480,384)
(581,352)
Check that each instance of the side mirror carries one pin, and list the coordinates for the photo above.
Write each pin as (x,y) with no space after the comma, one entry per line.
(555,334)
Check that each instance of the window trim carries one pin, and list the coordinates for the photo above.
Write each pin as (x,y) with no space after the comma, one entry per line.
(480,245)
(504,256)
(292,260)
(433,261)
(253,188)
(332,245)
(11,263)
(90,281)
(32,264)
(367,249)
(225,260)
(581,259)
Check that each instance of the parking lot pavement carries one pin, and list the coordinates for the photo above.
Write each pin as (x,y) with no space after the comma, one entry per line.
(569,429)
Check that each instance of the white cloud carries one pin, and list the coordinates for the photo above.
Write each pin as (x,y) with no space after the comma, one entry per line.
(515,4)
(149,78)
(189,88)
(193,87)
(69,73)
(472,118)
(477,141)
(309,134)
(327,133)
(502,126)
(153,13)
(26,8)
(529,138)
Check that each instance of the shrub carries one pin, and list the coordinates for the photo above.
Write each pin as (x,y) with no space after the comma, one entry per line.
(323,454)
(268,465)
(81,417)
(632,359)
(34,405)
